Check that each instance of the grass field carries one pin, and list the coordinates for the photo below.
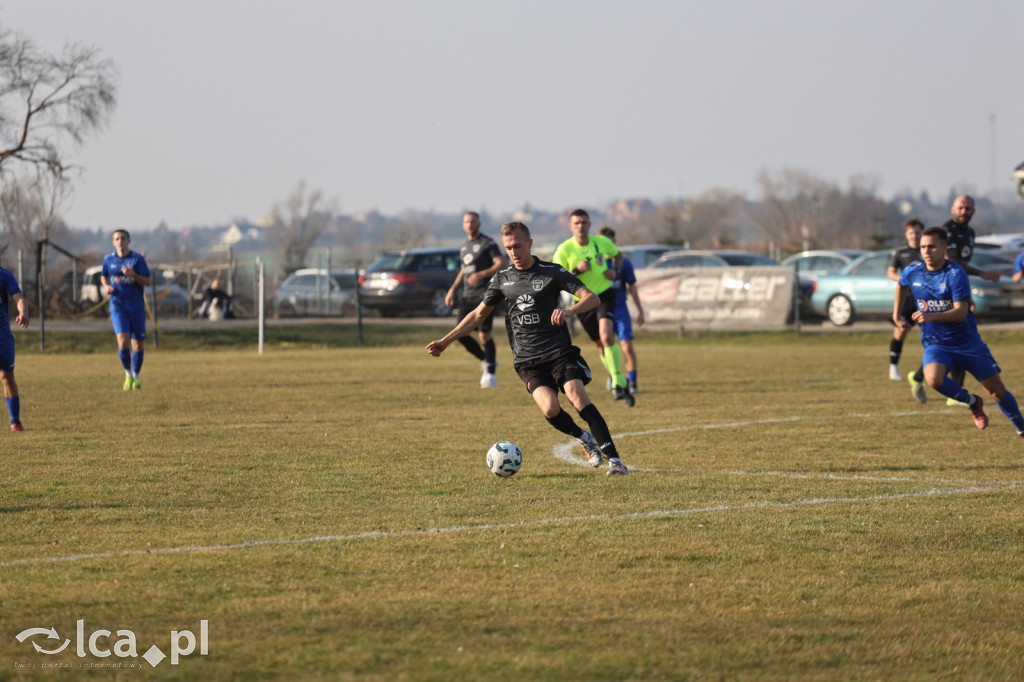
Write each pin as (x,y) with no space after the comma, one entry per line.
(791,514)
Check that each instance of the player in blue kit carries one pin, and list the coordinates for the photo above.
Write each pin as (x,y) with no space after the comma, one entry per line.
(625,284)
(125,276)
(10,291)
(949,332)
(542,349)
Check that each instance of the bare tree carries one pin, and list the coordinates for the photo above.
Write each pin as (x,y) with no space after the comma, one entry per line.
(30,208)
(407,232)
(298,222)
(798,208)
(48,100)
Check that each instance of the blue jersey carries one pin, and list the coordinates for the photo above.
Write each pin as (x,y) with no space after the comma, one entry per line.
(8,287)
(128,294)
(935,292)
(625,276)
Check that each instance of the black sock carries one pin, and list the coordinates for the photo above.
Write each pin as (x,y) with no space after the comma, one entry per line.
(958,374)
(564,423)
(919,374)
(895,349)
(599,430)
(489,355)
(472,346)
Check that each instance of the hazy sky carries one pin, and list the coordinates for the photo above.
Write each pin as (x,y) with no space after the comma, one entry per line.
(225,105)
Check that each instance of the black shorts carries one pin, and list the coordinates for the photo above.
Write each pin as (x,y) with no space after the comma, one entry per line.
(554,371)
(468,305)
(590,320)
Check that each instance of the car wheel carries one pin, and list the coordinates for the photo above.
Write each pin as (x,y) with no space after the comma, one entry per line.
(840,310)
(286,309)
(437,304)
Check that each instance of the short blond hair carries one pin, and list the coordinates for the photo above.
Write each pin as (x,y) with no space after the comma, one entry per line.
(509,228)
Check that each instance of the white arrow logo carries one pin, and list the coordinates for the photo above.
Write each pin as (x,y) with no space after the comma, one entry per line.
(50,634)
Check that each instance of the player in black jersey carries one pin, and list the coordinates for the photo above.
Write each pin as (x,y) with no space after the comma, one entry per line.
(545,358)
(959,249)
(900,259)
(480,257)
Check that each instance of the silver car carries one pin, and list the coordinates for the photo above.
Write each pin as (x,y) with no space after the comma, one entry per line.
(310,292)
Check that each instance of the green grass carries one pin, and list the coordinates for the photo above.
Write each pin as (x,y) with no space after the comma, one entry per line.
(791,514)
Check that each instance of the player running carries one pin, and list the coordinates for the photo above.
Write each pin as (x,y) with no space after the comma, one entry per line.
(125,276)
(949,332)
(10,291)
(596,260)
(542,350)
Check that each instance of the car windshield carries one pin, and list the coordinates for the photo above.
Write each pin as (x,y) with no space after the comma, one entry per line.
(746,259)
(392,261)
(876,264)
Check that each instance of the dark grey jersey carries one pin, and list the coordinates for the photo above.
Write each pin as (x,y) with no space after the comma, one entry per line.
(904,257)
(530,298)
(476,255)
(959,241)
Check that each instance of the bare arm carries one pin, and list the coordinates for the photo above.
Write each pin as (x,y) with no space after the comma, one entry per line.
(635,295)
(478,278)
(449,298)
(897,305)
(468,324)
(588,301)
(22,318)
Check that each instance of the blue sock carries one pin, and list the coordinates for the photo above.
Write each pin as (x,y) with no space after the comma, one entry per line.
(14,407)
(953,390)
(137,362)
(1010,408)
(632,376)
(126,359)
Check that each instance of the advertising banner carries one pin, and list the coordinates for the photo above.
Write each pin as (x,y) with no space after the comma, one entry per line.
(731,298)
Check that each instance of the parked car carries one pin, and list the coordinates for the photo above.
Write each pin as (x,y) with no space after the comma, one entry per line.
(1000,261)
(312,291)
(863,289)
(410,281)
(642,255)
(810,265)
(710,259)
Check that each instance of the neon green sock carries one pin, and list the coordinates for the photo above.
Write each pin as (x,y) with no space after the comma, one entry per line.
(613,362)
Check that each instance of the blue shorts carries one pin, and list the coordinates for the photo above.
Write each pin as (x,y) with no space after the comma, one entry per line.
(129,322)
(975,359)
(6,355)
(623,323)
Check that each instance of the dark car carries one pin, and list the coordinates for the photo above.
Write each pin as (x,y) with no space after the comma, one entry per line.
(410,281)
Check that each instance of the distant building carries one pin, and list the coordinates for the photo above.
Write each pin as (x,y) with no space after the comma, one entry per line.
(629,210)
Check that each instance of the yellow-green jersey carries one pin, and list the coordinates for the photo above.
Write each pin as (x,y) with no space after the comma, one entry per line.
(598,252)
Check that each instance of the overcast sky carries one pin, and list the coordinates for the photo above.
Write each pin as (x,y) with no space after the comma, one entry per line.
(447,105)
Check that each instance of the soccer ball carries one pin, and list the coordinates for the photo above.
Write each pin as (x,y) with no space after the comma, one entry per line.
(504,458)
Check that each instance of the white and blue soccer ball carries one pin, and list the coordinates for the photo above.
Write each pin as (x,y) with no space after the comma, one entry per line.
(504,458)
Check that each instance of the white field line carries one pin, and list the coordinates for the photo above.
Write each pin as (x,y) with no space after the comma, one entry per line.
(194,549)
(564,452)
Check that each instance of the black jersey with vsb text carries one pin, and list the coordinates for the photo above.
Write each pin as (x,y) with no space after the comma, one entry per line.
(531,296)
